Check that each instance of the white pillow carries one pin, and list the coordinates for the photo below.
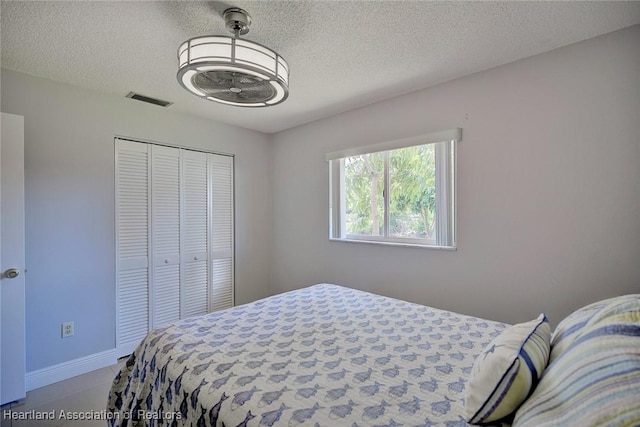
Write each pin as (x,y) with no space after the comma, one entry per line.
(507,370)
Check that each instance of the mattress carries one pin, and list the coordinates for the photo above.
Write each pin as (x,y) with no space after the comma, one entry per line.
(325,355)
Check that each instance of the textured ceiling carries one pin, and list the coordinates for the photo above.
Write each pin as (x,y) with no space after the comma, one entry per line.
(342,54)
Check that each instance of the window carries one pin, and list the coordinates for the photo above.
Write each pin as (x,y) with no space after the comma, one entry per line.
(399,192)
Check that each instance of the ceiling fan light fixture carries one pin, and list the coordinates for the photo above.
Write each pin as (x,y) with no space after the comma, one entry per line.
(233,71)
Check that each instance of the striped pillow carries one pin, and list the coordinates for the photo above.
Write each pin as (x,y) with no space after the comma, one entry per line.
(571,326)
(595,381)
(506,371)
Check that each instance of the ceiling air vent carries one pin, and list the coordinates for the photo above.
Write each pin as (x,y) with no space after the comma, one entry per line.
(149,100)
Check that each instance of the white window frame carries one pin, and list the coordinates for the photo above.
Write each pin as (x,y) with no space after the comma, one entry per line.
(445,158)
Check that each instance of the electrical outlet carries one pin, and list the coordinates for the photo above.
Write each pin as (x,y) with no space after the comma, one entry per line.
(67,329)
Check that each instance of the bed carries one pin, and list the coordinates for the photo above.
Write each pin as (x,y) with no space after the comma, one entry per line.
(333,356)
(319,356)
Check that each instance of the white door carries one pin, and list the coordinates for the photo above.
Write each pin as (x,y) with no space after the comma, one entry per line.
(12,300)
(132,248)
(174,237)
(164,294)
(194,240)
(221,178)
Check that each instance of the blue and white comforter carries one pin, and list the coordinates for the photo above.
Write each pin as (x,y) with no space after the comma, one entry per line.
(319,356)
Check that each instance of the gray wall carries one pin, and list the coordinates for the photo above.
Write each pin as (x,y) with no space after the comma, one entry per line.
(548,188)
(69,177)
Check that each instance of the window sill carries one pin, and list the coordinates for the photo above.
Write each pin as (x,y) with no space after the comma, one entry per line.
(404,245)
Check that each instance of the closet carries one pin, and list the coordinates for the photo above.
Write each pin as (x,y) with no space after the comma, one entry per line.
(174,236)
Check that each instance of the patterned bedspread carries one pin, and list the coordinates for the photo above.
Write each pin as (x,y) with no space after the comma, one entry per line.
(319,356)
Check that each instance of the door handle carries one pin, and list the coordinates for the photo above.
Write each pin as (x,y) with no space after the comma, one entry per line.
(11,273)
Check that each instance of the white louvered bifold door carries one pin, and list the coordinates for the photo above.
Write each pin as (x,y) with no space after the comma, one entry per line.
(165,235)
(195,231)
(132,232)
(174,237)
(221,238)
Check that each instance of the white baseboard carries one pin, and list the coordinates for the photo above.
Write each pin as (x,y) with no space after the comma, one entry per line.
(72,368)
